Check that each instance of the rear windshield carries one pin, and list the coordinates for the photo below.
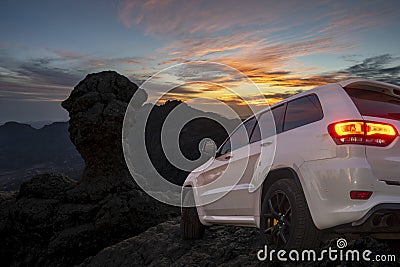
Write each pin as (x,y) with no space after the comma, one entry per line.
(375,104)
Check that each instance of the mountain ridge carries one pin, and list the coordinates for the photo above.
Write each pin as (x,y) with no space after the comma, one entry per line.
(26,151)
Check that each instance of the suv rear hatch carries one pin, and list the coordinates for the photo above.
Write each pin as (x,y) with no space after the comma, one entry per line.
(380,103)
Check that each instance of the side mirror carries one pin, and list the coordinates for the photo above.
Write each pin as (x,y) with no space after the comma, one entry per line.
(208,148)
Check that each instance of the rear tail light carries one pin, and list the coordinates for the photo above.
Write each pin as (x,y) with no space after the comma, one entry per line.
(363,195)
(362,133)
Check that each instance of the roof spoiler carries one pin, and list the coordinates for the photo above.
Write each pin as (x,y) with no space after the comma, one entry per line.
(355,82)
(387,88)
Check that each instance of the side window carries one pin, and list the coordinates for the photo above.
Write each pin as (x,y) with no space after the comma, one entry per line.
(225,148)
(375,104)
(267,124)
(302,111)
(279,115)
(239,138)
(256,136)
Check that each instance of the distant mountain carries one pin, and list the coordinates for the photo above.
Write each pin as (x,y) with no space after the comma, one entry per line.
(205,125)
(34,124)
(25,151)
(38,124)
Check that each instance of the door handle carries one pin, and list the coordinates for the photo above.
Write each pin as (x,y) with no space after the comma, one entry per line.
(267,143)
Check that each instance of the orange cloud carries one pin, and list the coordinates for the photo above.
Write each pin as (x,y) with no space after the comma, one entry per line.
(200,47)
(260,40)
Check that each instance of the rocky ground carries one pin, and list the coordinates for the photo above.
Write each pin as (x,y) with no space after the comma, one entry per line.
(42,225)
(221,246)
(162,246)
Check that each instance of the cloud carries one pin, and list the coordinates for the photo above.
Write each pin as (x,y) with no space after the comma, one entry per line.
(127,60)
(255,37)
(52,75)
(282,95)
(68,54)
(40,70)
(174,18)
(180,18)
(186,89)
(385,68)
(267,62)
(343,20)
(32,92)
(90,60)
(280,84)
(206,46)
(264,64)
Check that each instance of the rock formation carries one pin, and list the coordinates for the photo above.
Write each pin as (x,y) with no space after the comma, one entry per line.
(56,221)
(96,108)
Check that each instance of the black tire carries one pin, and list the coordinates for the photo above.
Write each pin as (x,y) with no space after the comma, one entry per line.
(191,227)
(286,221)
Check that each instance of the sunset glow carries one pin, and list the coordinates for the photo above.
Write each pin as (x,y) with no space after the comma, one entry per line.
(283,48)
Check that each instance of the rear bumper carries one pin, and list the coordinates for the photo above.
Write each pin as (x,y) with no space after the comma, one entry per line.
(382,218)
(327,185)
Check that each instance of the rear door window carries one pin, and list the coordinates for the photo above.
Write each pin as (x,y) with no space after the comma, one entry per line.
(279,115)
(375,104)
(302,111)
(267,124)
(239,138)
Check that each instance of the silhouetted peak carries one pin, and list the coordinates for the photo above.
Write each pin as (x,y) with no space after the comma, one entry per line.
(16,125)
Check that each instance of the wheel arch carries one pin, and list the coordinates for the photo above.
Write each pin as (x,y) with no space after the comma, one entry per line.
(274,175)
(277,174)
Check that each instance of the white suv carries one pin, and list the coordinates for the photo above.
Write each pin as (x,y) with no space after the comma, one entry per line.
(332,164)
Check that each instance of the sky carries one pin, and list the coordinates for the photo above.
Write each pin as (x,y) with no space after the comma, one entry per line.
(47,47)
